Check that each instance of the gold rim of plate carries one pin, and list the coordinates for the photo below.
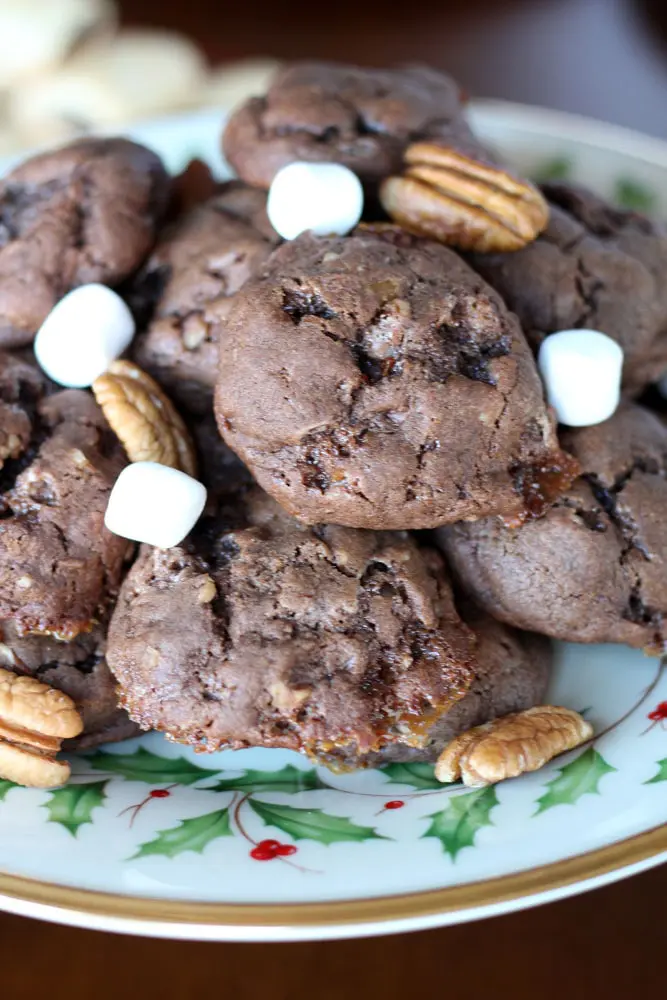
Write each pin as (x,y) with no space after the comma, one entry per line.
(376,910)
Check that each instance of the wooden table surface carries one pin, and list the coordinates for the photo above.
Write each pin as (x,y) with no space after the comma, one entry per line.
(606,58)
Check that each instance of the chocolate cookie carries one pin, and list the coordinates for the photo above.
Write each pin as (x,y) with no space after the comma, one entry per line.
(278,635)
(594,568)
(79,669)
(87,212)
(58,563)
(511,675)
(199,264)
(376,381)
(363,118)
(595,266)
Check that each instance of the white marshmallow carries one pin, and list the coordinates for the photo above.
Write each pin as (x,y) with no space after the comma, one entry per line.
(88,329)
(323,197)
(155,504)
(581,371)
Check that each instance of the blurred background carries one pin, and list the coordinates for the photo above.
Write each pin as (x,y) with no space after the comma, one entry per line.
(70,65)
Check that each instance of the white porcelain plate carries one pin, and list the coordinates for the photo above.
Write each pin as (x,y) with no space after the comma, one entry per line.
(150,838)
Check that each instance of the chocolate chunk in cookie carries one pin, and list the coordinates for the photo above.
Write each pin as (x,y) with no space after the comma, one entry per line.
(511,675)
(363,118)
(595,266)
(196,269)
(85,213)
(270,633)
(79,669)
(376,381)
(58,563)
(594,568)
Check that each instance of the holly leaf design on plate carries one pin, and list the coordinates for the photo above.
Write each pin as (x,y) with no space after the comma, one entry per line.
(190,835)
(580,777)
(660,776)
(416,774)
(557,169)
(72,806)
(6,786)
(287,779)
(312,824)
(457,824)
(142,765)
(633,195)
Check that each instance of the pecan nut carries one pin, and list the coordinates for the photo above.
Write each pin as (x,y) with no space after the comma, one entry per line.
(144,419)
(455,199)
(511,745)
(34,720)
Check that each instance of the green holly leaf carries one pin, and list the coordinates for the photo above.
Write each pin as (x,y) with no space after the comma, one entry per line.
(661,775)
(558,169)
(580,777)
(312,824)
(632,195)
(288,779)
(6,786)
(150,768)
(190,835)
(73,805)
(417,774)
(456,825)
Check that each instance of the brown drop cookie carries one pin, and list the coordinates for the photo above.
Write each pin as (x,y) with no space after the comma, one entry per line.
(326,112)
(511,675)
(595,266)
(59,565)
(197,267)
(274,634)
(87,212)
(594,568)
(79,669)
(376,381)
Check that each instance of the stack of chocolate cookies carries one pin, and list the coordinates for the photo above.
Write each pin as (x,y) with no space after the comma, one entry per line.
(396,525)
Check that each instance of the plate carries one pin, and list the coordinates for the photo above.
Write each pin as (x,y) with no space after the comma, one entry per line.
(150,838)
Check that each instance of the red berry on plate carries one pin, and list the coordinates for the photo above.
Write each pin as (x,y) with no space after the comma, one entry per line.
(286,850)
(160,793)
(266,850)
(394,804)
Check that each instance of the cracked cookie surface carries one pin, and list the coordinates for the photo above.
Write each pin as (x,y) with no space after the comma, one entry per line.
(595,266)
(376,381)
(271,633)
(87,212)
(363,118)
(199,264)
(511,674)
(59,566)
(594,568)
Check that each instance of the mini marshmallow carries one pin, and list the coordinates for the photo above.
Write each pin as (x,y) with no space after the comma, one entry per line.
(581,371)
(155,504)
(323,197)
(87,330)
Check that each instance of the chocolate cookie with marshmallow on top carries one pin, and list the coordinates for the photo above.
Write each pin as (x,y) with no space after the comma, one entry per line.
(60,569)
(375,381)
(595,266)
(87,212)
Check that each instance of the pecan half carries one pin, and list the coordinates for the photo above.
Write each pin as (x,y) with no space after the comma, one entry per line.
(34,720)
(144,419)
(511,745)
(455,199)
